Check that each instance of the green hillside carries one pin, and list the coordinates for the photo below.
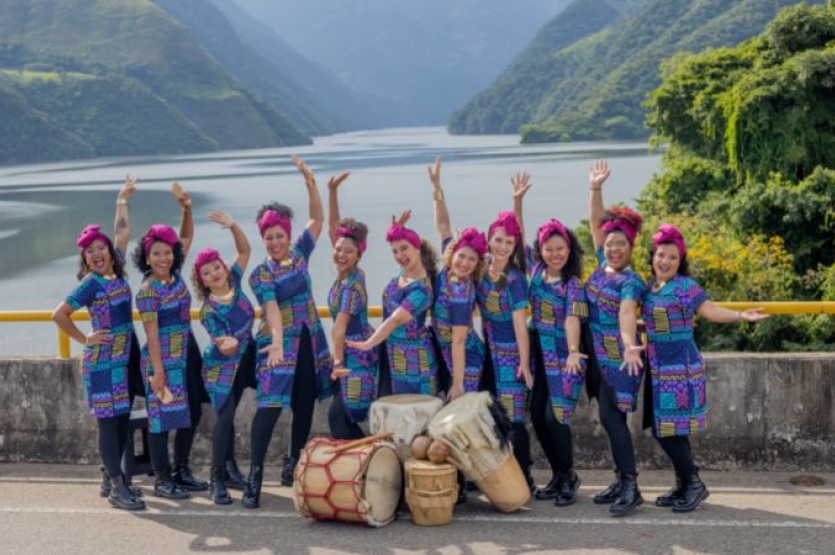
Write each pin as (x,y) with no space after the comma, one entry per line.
(121,77)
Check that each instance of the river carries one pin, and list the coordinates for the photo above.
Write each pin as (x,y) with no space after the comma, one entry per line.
(42,207)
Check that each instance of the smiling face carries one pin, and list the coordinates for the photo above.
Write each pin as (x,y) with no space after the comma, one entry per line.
(464,262)
(554,253)
(346,255)
(215,277)
(276,242)
(665,262)
(501,245)
(406,255)
(97,257)
(617,250)
(160,259)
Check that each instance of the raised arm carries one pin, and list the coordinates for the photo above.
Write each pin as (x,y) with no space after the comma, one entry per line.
(121,224)
(598,174)
(519,187)
(242,248)
(333,205)
(317,213)
(442,224)
(186,220)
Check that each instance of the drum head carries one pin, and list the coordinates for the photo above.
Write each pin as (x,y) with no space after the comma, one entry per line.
(407,399)
(383,484)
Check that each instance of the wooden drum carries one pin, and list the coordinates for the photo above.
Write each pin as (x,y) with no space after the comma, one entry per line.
(431,491)
(405,415)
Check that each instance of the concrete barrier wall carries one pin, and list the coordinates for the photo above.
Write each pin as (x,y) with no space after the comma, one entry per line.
(766,411)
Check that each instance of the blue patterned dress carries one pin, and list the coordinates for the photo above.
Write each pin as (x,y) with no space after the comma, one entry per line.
(454,305)
(497,306)
(605,292)
(359,388)
(169,306)
(288,283)
(104,368)
(551,304)
(409,347)
(676,366)
(233,320)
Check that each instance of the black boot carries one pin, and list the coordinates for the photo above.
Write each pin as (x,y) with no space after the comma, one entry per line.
(287,473)
(252,492)
(669,499)
(529,479)
(550,490)
(610,494)
(232,476)
(630,496)
(120,496)
(183,477)
(165,486)
(220,496)
(567,484)
(462,489)
(694,493)
(104,490)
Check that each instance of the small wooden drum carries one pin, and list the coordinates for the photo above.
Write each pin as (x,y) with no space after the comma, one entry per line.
(431,492)
(405,415)
(360,484)
(477,433)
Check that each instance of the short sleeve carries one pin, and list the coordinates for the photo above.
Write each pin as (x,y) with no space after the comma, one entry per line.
(261,282)
(694,296)
(305,244)
(601,260)
(575,299)
(461,298)
(633,288)
(212,322)
(236,276)
(518,291)
(444,244)
(83,295)
(351,298)
(417,300)
(147,302)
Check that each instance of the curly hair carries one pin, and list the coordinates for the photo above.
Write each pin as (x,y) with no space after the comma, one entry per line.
(683,265)
(631,216)
(574,265)
(140,258)
(358,230)
(429,258)
(118,263)
(282,209)
(449,251)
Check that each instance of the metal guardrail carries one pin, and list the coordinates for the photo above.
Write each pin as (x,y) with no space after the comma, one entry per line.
(776,307)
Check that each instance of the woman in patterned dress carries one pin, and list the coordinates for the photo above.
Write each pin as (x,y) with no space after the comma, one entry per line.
(170,358)
(293,364)
(105,291)
(614,291)
(677,374)
(355,370)
(229,359)
(558,302)
(406,300)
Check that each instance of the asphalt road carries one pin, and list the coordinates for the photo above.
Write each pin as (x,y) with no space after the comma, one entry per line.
(55,509)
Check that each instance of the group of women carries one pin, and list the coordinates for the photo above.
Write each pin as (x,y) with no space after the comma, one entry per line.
(579,334)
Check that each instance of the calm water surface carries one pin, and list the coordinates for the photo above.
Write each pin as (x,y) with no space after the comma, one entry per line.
(43,207)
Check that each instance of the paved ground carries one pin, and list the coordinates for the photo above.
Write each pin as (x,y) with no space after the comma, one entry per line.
(52,509)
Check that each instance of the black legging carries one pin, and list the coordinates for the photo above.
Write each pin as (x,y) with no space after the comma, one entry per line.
(554,436)
(223,436)
(341,424)
(678,449)
(614,422)
(113,435)
(302,404)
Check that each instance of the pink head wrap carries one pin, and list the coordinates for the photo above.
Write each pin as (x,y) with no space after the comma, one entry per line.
(349,234)
(90,234)
(159,232)
(553,227)
(398,232)
(473,238)
(271,218)
(669,234)
(204,257)
(623,226)
(508,221)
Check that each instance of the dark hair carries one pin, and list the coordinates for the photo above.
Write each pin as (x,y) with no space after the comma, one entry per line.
(140,257)
(282,209)
(429,258)
(574,265)
(118,264)
(359,231)
(683,265)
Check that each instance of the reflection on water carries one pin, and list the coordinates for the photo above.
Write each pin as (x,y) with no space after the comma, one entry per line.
(43,207)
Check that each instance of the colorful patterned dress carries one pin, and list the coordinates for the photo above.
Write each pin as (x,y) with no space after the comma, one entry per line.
(676,366)
(454,305)
(551,304)
(168,305)
(409,347)
(605,292)
(234,320)
(288,283)
(104,369)
(497,305)
(359,388)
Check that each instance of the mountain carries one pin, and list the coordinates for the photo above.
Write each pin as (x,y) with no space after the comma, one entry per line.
(415,60)
(110,77)
(596,84)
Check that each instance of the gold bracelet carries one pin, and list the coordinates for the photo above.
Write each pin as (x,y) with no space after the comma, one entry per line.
(573,349)
(121,202)
(438,195)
